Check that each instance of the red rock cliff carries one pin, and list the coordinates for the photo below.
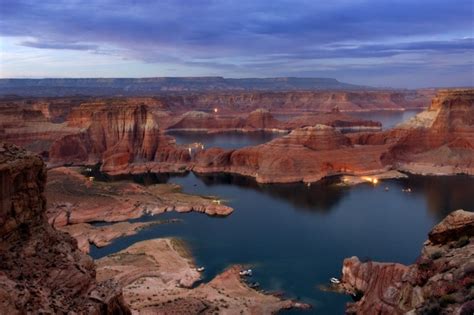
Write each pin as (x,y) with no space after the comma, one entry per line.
(306,154)
(41,269)
(440,139)
(117,136)
(440,282)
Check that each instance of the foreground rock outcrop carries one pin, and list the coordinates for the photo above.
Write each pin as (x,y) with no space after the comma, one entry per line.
(41,269)
(440,282)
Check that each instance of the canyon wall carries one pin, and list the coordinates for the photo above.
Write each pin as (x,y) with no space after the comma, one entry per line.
(440,282)
(116,136)
(41,269)
(300,101)
(439,140)
(306,154)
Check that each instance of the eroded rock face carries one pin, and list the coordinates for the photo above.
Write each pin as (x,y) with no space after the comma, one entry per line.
(301,101)
(306,154)
(442,140)
(74,199)
(262,120)
(117,136)
(41,269)
(440,282)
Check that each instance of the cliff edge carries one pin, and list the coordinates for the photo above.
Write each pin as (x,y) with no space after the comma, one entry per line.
(41,269)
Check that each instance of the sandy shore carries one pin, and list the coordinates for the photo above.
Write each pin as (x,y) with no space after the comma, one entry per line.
(157,276)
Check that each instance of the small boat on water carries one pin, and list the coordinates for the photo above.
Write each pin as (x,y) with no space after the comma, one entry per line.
(247,272)
(200,269)
(335,280)
(386,189)
(408,190)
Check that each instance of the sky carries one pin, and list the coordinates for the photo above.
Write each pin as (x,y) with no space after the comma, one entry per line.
(383,43)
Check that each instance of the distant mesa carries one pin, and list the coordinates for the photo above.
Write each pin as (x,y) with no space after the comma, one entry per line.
(150,86)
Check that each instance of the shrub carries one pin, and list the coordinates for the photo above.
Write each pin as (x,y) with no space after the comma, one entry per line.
(447,299)
(461,242)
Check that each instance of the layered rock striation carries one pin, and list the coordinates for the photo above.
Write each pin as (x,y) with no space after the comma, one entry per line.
(440,282)
(117,136)
(41,269)
(439,140)
(306,154)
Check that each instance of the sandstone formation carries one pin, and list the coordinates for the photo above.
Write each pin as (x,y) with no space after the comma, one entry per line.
(74,198)
(306,154)
(126,135)
(263,120)
(117,136)
(157,276)
(30,124)
(42,270)
(440,282)
(299,101)
(257,120)
(87,234)
(443,141)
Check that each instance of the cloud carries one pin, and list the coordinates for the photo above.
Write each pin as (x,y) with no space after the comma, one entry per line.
(58,45)
(245,35)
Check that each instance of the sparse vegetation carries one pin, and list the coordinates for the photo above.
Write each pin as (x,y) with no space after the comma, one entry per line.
(447,299)
(462,241)
(436,255)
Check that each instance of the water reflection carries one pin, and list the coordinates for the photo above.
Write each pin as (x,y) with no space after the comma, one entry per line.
(443,194)
(317,197)
(297,236)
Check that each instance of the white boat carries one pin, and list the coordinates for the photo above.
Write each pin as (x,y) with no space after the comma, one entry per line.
(200,269)
(247,272)
(335,280)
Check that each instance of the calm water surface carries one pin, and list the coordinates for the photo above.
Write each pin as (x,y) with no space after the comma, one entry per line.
(388,118)
(236,140)
(225,140)
(296,236)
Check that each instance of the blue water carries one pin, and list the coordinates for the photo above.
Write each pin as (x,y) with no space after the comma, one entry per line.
(225,140)
(296,237)
(388,118)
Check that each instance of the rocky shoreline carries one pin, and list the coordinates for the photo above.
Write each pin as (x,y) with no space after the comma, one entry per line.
(440,282)
(42,269)
(313,149)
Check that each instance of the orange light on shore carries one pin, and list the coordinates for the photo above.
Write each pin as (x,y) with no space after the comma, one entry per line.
(372,180)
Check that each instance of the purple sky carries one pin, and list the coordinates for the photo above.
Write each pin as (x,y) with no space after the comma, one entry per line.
(404,43)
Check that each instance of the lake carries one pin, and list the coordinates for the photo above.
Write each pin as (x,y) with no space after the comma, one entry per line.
(296,237)
(237,140)
(388,118)
(225,140)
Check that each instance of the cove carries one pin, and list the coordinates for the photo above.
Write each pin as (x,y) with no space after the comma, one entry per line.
(225,140)
(296,236)
(389,119)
